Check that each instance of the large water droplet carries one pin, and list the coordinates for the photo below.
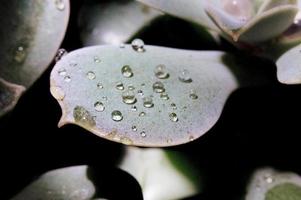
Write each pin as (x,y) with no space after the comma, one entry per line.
(96,59)
(91,75)
(161,72)
(138,45)
(62,72)
(128,97)
(60,53)
(134,128)
(127,71)
(59,4)
(173,117)
(20,54)
(148,102)
(164,96)
(193,95)
(184,76)
(143,134)
(67,79)
(119,86)
(117,115)
(98,106)
(158,87)
(82,116)
(57,92)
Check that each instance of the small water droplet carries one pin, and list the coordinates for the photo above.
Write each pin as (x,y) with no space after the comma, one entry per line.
(127,71)
(161,72)
(169,140)
(91,75)
(20,54)
(140,92)
(173,117)
(134,108)
(117,115)
(142,84)
(138,45)
(98,106)
(158,87)
(67,79)
(60,5)
(268,178)
(143,134)
(131,87)
(57,92)
(60,53)
(62,72)
(173,106)
(134,128)
(96,59)
(119,86)
(73,64)
(185,76)
(148,102)
(82,116)
(128,97)
(193,95)
(99,85)
(142,114)
(122,46)
(105,98)
(164,96)
(191,138)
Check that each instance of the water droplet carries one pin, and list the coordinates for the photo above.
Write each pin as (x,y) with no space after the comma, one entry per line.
(191,138)
(140,92)
(117,115)
(57,92)
(98,106)
(91,75)
(96,59)
(142,114)
(60,53)
(138,45)
(127,71)
(142,84)
(242,9)
(105,98)
(173,106)
(82,116)
(173,117)
(164,96)
(134,108)
(128,97)
(268,178)
(73,64)
(131,87)
(161,72)
(158,87)
(62,72)
(20,54)
(134,128)
(193,95)
(60,5)
(143,134)
(99,85)
(122,46)
(119,86)
(67,79)
(148,102)
(185,76)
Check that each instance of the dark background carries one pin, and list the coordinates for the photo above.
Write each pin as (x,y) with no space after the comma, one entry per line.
(260,126)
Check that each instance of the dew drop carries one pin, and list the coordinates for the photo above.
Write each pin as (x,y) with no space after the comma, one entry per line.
(57,92)
(161,72)
(117,115)
(134,108)
(105,98)
(142,84)
(128,97)
(140,92)
(138,45)
(193,95)
(127,71)
(173,106)
(191,138)
(122,46)
(184,76)
(82,116)
(20,54)
(98,106)
(134,128)
(131,87)
(119,86)
(62,72)
(91,75)
(99,85)
(60,5)
(96,59)
(67,79)
(148,102)
(164,96)
(268,178)
(142,114)
(143,134)
(60,53)
(173,117)
(158,87)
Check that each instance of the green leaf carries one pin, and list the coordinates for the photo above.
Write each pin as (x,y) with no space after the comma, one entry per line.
(100,24)
(90,87)
(162,174)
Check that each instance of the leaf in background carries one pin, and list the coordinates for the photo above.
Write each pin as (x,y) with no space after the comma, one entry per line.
(267,184)
(113,22)
(144,95)
(162,174)
(32,35)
